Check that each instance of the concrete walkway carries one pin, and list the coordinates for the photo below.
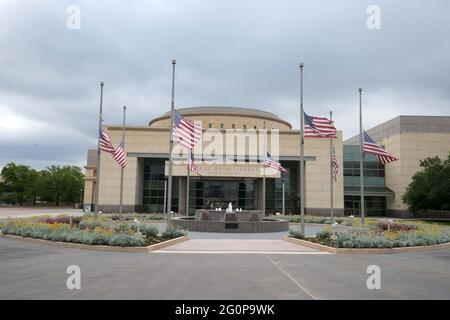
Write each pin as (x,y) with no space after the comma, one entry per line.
(23,212)
(239,246)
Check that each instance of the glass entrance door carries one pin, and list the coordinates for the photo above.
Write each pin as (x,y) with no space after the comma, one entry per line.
(210,194)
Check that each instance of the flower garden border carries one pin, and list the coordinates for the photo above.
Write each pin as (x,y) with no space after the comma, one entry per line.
(328,249)
(149,248)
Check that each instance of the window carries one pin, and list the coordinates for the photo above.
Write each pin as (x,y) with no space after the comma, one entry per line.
(210,125)
(375,206)
(254,127)
(153,186)
(221,125)
(274,187)
(373,170)
(245,126)
(233,126)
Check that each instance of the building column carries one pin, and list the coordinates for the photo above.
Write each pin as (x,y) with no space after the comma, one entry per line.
(259,194)
(182,196)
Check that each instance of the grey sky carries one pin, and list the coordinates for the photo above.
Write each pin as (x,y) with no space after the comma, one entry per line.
(233,53)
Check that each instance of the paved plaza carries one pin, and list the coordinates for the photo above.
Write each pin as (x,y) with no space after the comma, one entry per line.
(22,212)
(217,266)
(32,271)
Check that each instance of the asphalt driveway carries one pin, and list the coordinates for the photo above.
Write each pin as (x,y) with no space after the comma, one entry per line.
(32,271)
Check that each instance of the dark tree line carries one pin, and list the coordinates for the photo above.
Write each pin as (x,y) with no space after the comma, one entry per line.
(55,184)
(430,187)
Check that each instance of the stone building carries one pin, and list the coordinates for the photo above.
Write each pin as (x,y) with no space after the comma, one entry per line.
(231,155)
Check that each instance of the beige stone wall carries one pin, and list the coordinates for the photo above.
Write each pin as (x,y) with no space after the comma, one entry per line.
(318,174)
(146,141)
(155,140)
(239,122)
(410,147)
(89,186)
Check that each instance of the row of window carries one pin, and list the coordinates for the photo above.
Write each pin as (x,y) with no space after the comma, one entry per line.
(153,193)
(204,194)
(233,126)
(374,206)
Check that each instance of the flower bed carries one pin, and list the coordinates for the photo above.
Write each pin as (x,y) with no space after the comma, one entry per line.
(380,235)
(89,230)
(139,216)
(315,219)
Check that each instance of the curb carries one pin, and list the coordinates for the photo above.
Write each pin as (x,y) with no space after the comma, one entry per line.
(322,247)
(150,248)
(310,244)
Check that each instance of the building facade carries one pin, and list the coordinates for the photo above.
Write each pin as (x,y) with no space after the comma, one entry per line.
(411,138)
(230,158)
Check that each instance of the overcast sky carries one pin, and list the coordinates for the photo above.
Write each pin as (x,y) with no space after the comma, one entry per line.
(229,53)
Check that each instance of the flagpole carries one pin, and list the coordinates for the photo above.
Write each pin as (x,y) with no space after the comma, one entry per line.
(165,197)
(264,192)
(187,184)
(121,168)
(302,159)
(331,175)
(361,158)
(264,172)
(97,174)
(172,107)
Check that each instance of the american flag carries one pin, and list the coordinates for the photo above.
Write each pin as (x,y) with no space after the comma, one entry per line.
(370,146)
(316,127)
(119,155)
(335,164)
(186,132)
(269,162)
(191,164)
(105,142)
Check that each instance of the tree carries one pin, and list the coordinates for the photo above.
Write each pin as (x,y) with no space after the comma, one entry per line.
(19,183)
(61,184)
(430,187)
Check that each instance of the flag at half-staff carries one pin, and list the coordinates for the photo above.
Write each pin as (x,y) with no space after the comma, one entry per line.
(317,127)
(269,162)
(335,165)
(192,166)
(371,147)
(185,131)
(105,142)
(119,155)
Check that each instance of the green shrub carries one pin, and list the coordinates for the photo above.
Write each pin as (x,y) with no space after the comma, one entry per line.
(323,235)
(92,222)
(149,231)
(311,219)
(123,240)
(122,228)
(345,240)
(413,239)
(173,232)
(296,234)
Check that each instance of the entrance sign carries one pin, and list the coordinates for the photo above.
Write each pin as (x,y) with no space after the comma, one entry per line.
(247,170)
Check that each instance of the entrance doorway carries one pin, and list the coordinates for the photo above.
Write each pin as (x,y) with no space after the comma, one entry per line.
(210,194)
